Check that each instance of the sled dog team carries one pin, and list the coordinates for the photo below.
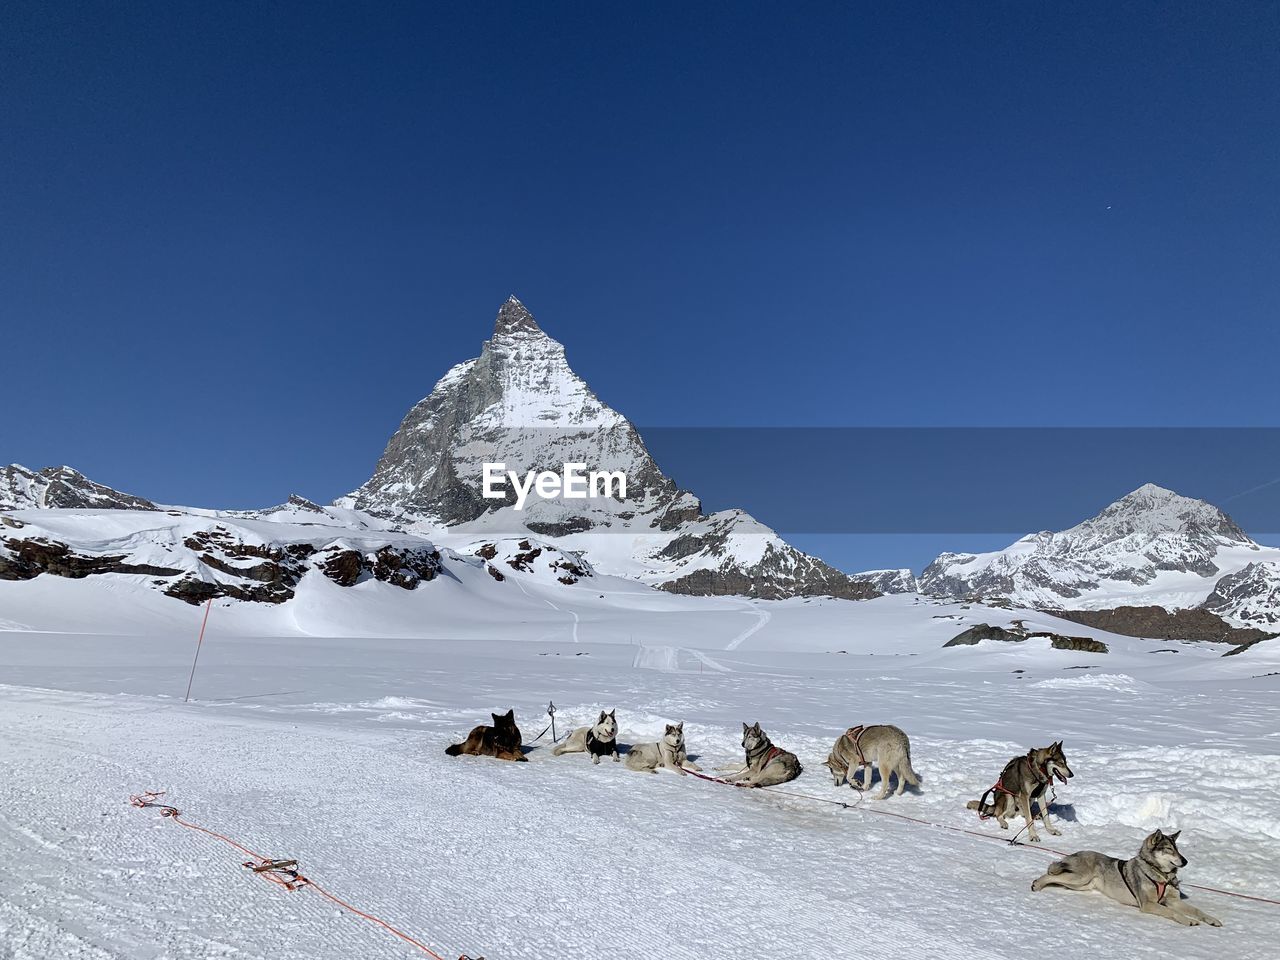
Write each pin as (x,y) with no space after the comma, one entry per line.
(1148,881)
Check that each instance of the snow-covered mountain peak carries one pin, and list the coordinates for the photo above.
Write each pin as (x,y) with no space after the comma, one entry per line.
(519,403)
(1152,511)
(1153,541)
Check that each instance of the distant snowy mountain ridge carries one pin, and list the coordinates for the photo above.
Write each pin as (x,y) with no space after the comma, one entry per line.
(1152,547)
(60,488)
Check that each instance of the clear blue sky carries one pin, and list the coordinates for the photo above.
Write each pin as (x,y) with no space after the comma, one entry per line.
(238,241)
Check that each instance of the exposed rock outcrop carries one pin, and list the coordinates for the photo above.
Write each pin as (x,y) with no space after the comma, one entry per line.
(985,631)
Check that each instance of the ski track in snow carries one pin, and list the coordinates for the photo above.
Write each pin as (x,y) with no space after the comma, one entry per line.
(763,616)
(573,633)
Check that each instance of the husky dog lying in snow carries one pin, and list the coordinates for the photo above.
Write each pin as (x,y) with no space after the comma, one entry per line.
(600,739)
(1023,783)
(881,744)
(502,740)
(668,753)
(1149,881)
(767,765)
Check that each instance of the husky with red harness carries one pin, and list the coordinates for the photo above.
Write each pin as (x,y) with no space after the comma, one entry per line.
(1024,782)
(767,765)
(1148,881)
(882,745)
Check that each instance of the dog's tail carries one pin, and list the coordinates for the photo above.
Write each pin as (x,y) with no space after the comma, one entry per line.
(913,778)
(984,809)
(453,750)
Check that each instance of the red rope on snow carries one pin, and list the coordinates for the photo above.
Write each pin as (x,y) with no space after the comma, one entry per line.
(281,872)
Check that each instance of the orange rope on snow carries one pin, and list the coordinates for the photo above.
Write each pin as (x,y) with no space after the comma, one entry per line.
(281,872)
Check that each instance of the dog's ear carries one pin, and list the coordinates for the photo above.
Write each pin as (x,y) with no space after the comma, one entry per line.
(1174,836)
(745,727)
(496,718)
(756,727)
(671,728)
(614,713)
(602,716)
(680,725)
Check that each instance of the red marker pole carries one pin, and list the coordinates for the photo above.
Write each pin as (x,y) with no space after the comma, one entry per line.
(199,644)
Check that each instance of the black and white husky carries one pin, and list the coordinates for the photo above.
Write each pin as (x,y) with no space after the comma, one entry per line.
(600,739)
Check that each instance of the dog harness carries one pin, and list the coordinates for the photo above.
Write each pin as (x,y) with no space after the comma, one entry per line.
(999,787)
(854,736)
(1161,886)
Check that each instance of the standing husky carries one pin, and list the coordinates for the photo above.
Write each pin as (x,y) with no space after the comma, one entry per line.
(668,753)
(600,739)
(882,744)
(502,740)
(1149,881)
(1023,783)
(767,765)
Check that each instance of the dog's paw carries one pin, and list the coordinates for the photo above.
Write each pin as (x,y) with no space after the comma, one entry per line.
(1213,921)
(1055,831)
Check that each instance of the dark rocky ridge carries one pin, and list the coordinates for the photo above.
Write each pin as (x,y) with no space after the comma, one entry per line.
(28,559)
(1157,623)
(985,631)
(61,488)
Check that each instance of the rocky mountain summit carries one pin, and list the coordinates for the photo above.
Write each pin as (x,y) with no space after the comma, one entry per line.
(60,488)
(889,581)
(519,403)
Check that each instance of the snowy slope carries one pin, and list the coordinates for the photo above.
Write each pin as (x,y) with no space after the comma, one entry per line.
(330,750)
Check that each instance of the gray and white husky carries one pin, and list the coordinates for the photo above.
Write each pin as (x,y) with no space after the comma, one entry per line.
(882,744)
(1149,881)
(668,753)
(767,765)
(600,739)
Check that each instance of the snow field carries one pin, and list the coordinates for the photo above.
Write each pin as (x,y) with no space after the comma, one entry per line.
(332,752)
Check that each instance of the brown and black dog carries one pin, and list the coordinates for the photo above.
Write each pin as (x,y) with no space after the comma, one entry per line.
(502,740)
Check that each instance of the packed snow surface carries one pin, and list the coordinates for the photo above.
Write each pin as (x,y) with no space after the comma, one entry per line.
(316,731)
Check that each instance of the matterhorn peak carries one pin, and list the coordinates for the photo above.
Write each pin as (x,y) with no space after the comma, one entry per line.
(513,316)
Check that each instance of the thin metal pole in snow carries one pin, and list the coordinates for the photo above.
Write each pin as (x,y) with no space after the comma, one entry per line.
(551,711)
(199,644)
